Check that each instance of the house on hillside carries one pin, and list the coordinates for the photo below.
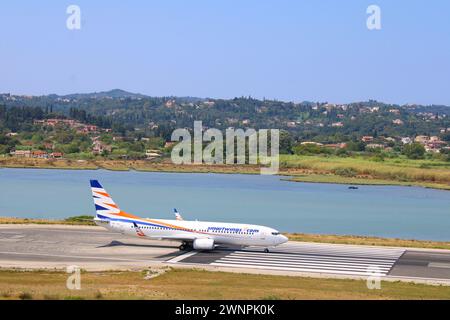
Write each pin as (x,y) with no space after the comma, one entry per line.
(170,144)
(99,147)
(406,140)
(374,146)
(39,154)
(152,154)
(291,124)
(341,145)
(21,153)
(398,122)
(312,143)
(422,139)
(56,155)
(48,145)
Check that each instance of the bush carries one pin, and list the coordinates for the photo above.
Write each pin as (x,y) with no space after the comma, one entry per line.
(342,153)
(310,149)
(378,157)
(346,172)
(414,150)
(98,295)
(88,220)
(25,296)
(356,146)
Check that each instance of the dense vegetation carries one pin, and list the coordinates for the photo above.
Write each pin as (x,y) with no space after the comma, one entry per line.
(147,122)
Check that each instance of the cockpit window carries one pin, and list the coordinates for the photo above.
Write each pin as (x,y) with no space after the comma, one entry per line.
(275,233)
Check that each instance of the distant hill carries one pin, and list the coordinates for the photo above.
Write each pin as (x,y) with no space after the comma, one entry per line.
(114,94)
(117,94)
(319,121)
(430,108)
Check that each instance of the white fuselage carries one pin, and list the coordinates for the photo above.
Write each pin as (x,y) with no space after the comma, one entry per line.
(221,233)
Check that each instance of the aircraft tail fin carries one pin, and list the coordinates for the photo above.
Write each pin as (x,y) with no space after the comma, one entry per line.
(102,200)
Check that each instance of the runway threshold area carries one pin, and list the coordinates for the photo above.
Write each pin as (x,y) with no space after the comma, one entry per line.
(333,259)
(305,257)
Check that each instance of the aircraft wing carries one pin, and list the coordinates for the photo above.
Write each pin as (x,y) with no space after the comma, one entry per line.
(177,237)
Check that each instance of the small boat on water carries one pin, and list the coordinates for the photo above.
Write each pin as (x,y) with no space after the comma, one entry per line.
(353,188)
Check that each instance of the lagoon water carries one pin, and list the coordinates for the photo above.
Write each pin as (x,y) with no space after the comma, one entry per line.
(387,211)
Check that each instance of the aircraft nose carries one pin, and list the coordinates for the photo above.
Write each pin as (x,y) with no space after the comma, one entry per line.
(283,239)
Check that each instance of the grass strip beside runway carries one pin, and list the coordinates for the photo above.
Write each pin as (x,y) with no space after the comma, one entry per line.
(197,284)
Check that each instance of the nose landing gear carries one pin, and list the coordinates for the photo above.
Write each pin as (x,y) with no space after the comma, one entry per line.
(266,250)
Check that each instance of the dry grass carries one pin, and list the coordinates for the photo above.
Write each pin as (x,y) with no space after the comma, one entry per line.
(47,163)
(195,284)
(123,165)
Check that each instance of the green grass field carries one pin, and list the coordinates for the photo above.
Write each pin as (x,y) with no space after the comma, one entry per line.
(360,170)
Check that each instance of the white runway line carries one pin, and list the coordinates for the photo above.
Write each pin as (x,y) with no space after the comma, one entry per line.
(306,256)
(332,249)
(310,261)
(321,258)
(291,269)
(182,257)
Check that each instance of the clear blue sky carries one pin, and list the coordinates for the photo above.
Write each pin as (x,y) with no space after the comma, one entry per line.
(318,50)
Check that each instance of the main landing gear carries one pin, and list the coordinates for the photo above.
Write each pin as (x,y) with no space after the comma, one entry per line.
(184,246)
(266,250)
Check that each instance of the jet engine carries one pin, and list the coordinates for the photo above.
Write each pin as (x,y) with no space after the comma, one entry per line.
(203,244)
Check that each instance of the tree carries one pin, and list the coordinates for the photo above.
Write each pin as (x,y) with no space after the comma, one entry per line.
(446,136)
(286,142)
(310,149)
(356,146)
(414,150)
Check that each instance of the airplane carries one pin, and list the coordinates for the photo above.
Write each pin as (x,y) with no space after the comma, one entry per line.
(197,235)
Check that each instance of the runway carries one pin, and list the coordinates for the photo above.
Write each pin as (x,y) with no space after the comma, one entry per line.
(93,248)
(310,257)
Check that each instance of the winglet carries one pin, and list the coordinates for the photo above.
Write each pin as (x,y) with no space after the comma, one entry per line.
(177,215)
(138,230)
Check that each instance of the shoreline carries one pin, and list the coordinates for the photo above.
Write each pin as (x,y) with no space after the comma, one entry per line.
(290,174)
(85,221)
(367,182)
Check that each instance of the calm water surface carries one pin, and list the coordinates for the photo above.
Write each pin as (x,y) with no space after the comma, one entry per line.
(386,211)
